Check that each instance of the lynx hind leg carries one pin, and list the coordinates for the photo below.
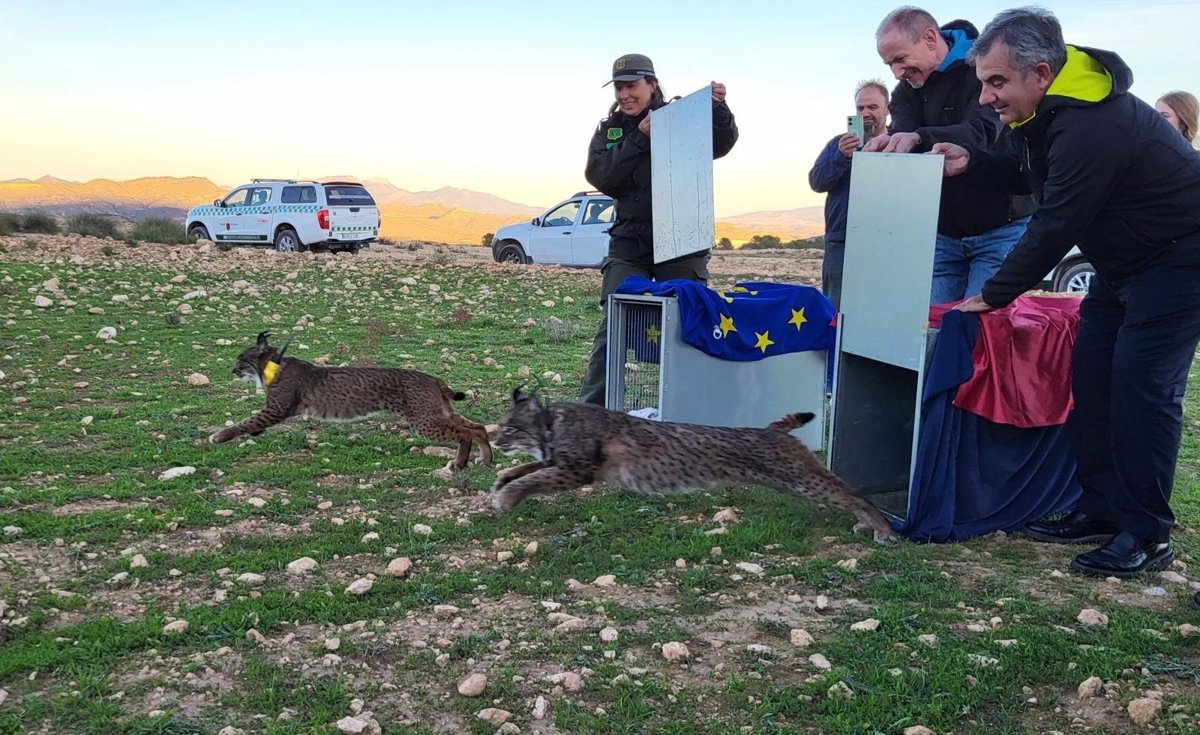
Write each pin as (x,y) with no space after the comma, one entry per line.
(539,482)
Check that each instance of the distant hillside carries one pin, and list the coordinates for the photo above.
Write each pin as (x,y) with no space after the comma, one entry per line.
(788,224)
(447,215)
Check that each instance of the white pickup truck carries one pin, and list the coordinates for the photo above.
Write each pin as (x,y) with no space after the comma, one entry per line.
(290,215)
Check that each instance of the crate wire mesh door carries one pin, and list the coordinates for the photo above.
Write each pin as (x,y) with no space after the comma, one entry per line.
(651,367)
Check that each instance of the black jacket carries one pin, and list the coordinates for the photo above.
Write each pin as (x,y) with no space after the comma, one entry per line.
(1107,173)
(946,109)
(618,164)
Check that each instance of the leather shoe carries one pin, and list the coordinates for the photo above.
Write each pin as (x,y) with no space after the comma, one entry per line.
(1125,556)
(1074,528)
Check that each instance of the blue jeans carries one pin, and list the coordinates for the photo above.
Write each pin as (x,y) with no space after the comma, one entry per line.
(961,265)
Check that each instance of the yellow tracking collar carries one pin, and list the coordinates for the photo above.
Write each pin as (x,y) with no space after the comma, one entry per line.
(269,372)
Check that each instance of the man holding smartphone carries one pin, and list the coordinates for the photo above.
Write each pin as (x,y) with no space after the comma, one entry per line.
(831,175)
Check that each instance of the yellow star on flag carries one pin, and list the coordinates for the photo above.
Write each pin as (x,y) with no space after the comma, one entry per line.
(764,341)
(652,333)
(727,326)
(798,318)
(728,299)
(743,289)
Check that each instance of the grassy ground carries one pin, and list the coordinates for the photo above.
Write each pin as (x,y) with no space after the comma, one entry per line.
(980,637)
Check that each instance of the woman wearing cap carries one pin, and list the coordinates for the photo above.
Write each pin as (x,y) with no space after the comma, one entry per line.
(618,164)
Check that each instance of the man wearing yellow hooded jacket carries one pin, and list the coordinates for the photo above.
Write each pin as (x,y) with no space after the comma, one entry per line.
(1110,174)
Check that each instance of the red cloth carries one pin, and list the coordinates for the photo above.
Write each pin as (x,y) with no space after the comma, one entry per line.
(1022,362)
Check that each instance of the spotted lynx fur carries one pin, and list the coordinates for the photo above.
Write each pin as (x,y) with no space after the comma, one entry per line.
(298,388)
(577,444)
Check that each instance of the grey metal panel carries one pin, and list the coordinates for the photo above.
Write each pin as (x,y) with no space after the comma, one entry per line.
(890,238)
(696,388)
(681,175)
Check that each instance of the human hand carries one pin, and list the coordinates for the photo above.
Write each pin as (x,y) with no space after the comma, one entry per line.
(876,144)
(644,125)
(956,158)
(975,305)
(847,144)
(718,92)
(902,143)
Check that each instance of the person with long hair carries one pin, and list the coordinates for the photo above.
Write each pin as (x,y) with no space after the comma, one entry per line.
(618,164)
(1181,110)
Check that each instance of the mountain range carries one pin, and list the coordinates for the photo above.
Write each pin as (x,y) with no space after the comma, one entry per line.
(447,215)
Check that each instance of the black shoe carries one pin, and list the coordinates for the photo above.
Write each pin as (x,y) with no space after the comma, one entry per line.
(1073,528)
(1125,556)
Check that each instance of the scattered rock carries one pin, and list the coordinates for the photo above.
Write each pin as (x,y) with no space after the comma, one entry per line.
(473,685)
(494,716)
(303,566)
(422,529)
(42,302)
(175,627)
(918,730)
(399,567)
(1143,711)
(359,587)
(748,567)
(820,662)
(12,530)
(869,624)
(106,333)
(605,580)
(351,725)
(609,634)
(801,638)
(673,651)
(726,517)
(1088,616)
(539,705)
(197,380)
(1187,629)
(1089,687)
(174,472)
(840,690)
(251,579)
(929,639)
(138,562)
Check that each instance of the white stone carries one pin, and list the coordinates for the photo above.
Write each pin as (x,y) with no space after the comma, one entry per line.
(12,530)
(868,625)
(303,565)
(1143,711)
(359,587)
(673,651)
(918,730)
(929,639)
(609,634)
(138,562)
(252,579)
(106,333)
(820,662)
(351,725)
(726,517)
(42,302)
(801,638)
(840,690)
(175,627)
(1088,616)
(748,567)
(422,529)
(1089,687)
(174,472)
(605,580)
(493,716)
(473,685)
(399,567)
(539,708)
(197,380)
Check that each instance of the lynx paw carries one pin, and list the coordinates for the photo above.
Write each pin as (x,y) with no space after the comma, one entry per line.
(883,537)
(216,437)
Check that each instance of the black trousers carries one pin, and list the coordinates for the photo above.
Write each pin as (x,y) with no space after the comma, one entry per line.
(1129,372)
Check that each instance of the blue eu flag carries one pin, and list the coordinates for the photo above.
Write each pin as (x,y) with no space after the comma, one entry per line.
(748,322)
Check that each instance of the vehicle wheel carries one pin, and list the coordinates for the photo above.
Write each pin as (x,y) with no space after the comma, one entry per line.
(287,241)
(199,232)
(1076,279)
(511,253)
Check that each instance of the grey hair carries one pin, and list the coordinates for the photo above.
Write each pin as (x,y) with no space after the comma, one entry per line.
(1032,34)
(909,19)
(873,84)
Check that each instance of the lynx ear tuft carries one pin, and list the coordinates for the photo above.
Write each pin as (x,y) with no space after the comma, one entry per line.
(519,395)
(262,338)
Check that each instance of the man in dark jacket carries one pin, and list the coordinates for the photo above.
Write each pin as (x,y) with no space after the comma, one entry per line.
(937,101)
(618,164)
(1109,173)
(831,174)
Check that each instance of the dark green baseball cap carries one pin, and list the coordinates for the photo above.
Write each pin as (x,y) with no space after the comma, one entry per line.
(630,68)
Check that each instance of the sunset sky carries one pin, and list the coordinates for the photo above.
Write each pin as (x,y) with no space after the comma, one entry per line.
(495,97)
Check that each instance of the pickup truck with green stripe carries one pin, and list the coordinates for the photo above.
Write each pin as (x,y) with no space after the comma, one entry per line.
(290,215)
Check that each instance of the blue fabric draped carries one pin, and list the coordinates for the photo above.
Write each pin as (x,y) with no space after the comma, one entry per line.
(973,476)
(748,322)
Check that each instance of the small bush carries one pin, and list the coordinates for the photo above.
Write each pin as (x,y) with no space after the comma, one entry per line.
(95,225)
(10,222)
(40,222)
(161,230)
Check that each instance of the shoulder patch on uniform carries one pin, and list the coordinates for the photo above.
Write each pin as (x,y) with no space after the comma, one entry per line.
(615,133)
